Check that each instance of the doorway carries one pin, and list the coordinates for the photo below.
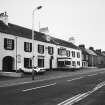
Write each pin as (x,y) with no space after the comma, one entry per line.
(8,62)
(51,58)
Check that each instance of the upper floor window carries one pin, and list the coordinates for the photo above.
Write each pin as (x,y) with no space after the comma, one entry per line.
(73,53)
(27,47)
(68,53)
(41,49)
(50,50)
(78,54)
(8,44)
(61,51)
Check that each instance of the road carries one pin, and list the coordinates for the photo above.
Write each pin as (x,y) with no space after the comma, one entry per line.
(80,89)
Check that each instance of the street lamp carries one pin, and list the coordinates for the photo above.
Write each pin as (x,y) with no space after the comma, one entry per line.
(37,8)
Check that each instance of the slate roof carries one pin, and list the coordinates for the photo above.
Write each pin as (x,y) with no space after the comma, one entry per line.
(27,33)
(90,52)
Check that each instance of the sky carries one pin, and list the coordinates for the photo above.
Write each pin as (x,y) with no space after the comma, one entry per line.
(82,19)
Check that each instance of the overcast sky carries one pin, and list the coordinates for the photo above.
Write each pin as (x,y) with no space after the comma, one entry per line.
(82,19)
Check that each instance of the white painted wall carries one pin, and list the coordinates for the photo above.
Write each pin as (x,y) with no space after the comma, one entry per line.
(23,54)
(4,52)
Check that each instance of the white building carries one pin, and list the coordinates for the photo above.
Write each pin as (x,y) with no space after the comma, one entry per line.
(16,49)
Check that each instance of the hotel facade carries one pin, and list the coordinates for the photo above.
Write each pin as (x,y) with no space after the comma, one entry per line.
(16,49)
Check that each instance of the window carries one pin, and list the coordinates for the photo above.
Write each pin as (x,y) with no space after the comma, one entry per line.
(78,63)
(61,51)
(73,63)
(8,44)
(41,49)
(67,62)
(78,55)
(73,53)
(27,62)
(40,61)
(68,53)
(50,50)
(60,63)
(27,47)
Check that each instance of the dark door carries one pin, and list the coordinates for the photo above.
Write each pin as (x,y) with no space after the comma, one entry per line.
(8,63)
(51,62)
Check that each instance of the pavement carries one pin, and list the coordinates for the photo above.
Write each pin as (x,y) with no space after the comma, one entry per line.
(10,81)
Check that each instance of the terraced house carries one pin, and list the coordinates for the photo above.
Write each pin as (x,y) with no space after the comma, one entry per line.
(49,52)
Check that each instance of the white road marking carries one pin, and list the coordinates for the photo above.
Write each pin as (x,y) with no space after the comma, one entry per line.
(68,100)
(38,87)
(79,97)
(99,86)
(74,79)
(74,99)
(93,74)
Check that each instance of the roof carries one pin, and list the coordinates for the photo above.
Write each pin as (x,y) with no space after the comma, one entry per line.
(90,52)
(27,33)
(84,51)
(65,43)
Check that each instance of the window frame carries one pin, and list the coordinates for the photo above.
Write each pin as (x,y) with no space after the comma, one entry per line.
(43,61)
(78,54)
(27,46)
(28,63)
(50,50)
(40,49)
(67,53)
(8,44)
(73,53)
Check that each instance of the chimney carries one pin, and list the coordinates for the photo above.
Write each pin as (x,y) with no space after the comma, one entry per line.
(82,46)
(91,48)
(4,18)
(72,40)
(98,51)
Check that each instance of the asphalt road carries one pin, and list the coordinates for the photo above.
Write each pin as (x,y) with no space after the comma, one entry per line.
(62,91)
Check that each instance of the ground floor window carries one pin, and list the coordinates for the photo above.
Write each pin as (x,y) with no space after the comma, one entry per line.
(27,62)
(84,64)
(78,63)
(67,62)
(73,63)
(61,64)
(40,61)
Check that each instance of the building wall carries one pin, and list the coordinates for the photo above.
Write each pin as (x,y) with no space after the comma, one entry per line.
(92,60)
(85,58)
(72,58)
(3,52)
(100,61)
(19,54)
(36,54)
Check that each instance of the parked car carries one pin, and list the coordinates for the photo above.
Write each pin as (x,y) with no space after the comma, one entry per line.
(39,70)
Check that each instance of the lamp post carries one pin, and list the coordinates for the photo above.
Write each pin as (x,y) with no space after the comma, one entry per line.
(37,8)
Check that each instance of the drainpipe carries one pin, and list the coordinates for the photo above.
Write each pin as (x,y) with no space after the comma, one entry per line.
(16,53)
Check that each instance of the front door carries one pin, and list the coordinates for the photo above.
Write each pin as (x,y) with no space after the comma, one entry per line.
(51,62)
(8,63)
